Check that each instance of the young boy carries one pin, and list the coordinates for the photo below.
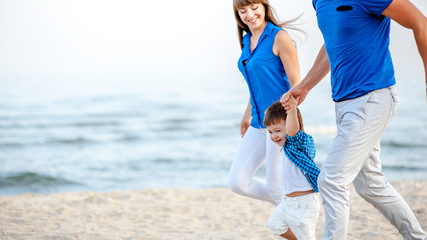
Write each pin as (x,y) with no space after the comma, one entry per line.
(296,216)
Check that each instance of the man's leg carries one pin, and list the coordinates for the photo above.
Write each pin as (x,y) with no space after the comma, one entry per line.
(372,185)
(278,222)
(360,124)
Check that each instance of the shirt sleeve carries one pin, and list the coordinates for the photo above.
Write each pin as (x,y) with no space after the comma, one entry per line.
(301,151)
(375,7)
(302,143)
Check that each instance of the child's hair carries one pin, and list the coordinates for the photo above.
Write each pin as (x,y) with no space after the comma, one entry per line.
(276,112)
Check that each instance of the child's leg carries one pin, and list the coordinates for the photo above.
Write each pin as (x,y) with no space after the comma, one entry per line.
(278,222)
(303,216)
(289,235)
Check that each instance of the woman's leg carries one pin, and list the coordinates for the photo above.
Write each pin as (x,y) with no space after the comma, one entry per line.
(273,169)
(249,157)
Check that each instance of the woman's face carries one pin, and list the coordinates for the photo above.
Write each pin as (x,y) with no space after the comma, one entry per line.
(252,15)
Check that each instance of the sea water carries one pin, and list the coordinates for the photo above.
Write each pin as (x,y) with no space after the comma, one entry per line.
(115,135)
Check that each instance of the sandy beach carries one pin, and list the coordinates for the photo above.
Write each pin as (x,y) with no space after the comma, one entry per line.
(174,214)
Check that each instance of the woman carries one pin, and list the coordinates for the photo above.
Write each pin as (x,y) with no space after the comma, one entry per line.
(269,64)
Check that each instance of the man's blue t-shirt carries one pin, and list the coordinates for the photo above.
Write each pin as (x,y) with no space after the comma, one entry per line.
(357,43)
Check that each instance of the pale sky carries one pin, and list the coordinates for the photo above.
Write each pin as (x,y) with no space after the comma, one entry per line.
(88,39)
(104,37)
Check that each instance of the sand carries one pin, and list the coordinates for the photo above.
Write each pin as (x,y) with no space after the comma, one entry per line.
(175,214)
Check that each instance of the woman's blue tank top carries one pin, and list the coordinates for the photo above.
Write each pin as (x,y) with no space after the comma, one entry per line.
(264,73)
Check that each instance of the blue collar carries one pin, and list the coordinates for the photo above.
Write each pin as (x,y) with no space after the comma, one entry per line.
(267,31)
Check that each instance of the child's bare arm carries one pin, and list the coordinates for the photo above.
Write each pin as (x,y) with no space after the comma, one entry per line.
(292,124)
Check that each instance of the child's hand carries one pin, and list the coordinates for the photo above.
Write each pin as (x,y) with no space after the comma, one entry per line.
(291,104)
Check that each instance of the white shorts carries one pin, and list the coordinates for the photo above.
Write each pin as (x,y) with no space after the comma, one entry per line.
(300,214)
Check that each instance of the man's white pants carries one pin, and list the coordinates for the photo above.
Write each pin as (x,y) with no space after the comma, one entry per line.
(355,158)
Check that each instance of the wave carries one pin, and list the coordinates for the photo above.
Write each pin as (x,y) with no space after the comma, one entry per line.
(12,144)
(58,124)
(406,168)
(70,140)
(395,144)
(25,179)
(77,140)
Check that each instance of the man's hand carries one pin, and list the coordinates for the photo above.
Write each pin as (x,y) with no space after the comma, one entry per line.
(291,104)
(296,92)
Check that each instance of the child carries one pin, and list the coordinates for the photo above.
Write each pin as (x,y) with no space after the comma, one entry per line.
(296,216)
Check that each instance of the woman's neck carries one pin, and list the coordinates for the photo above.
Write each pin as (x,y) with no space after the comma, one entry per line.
(256,32)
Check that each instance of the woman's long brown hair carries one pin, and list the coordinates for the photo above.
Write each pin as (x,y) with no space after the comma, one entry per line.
(270,16)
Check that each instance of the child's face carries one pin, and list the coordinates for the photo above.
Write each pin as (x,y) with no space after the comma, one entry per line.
(278,132)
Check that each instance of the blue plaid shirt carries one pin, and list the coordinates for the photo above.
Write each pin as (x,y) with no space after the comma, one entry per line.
(300,150)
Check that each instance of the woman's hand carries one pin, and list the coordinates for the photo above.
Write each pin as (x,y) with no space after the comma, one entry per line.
(244,125)
(246,119)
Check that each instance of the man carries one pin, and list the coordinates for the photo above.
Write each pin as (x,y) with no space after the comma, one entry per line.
(356,51)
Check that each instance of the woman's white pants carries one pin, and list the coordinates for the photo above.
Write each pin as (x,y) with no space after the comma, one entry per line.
(255,149)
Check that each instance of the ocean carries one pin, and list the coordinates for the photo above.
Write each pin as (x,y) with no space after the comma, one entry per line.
(112,135)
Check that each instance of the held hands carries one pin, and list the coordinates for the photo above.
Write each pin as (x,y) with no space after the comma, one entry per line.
(291,104)
(298,92)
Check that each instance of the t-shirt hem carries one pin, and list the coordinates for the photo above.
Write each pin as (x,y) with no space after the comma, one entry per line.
(362,93)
